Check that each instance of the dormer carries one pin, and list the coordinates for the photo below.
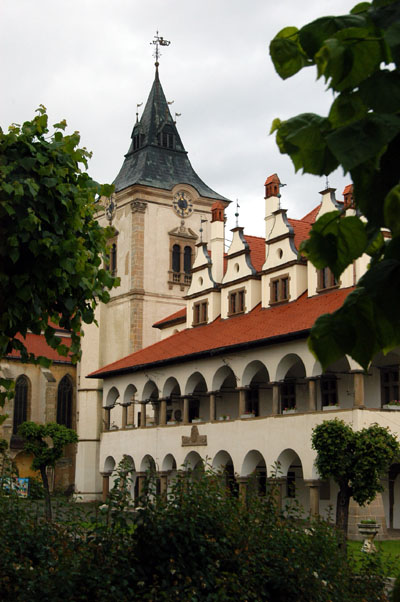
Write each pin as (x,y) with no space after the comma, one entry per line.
(240,289)
(284,272)
(203,301)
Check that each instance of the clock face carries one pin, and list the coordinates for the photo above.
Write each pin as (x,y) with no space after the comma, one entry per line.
(182,204)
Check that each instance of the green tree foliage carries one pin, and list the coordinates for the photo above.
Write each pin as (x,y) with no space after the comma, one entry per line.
(46,442)
(51,246)
(201,544)
(356,460)
(358,57)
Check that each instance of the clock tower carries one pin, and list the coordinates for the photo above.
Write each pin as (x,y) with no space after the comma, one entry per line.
(156,212)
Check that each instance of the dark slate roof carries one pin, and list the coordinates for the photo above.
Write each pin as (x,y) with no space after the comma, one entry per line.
(155,165)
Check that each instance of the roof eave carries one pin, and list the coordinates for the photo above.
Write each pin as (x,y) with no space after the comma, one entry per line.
(281,338)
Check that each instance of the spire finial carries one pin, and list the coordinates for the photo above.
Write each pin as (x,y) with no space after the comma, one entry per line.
(158,41)
(137,111)
(327,183)
(237,212)
(202,221)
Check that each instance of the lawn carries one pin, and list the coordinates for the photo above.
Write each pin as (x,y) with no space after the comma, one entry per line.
(390,551)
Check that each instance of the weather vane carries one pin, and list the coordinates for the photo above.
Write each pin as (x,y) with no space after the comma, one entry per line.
(237,212)
(158,41)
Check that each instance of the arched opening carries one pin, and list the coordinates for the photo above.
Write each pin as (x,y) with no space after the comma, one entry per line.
(172,394)
(293,388)
(223,465)
(259,392)
(290,470)
(227,404)
(254,472)
(198,401)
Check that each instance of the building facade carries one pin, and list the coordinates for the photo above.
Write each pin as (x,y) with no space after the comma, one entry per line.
(232,381)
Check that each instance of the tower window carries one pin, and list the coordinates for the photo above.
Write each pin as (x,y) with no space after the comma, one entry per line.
(166,138)
(187,259)
(176,258)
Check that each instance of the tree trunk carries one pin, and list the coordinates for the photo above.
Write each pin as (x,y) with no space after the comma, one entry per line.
(342,513)
(47,500)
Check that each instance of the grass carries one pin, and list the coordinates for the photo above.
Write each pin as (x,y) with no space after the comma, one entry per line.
(390,551)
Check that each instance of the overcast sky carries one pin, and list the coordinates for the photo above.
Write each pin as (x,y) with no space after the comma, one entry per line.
(90,62)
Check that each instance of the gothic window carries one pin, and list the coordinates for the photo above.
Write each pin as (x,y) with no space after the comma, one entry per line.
(20,402)
(113,259)
(280,289)
(329,390)
(64,401)
(200,313)
(236,302)
(288,395)
(326,279)
(389,384)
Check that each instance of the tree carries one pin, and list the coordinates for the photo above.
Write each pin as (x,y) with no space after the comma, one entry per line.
(51,246)
(46,443)
(357,55)
(355,460)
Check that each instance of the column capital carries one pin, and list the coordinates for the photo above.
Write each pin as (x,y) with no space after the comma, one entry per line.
(312,378)
(106,473)
(243,480)
(245,388)
(312,482)
(138,206)
(276,480)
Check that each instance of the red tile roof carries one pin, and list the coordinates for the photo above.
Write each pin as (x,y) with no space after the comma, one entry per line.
(312,215)
(36,344)
(260,326)
(301,230)
(175,318)
(257,251)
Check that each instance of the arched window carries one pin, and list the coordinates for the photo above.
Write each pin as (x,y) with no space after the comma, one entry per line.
(187,260)
(64,401)
(20,402)
(176,258)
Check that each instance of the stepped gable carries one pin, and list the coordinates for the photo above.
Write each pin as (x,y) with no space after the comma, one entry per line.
(259,327)
(156,156)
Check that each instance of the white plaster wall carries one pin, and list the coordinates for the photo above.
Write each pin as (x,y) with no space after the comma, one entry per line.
(278,253)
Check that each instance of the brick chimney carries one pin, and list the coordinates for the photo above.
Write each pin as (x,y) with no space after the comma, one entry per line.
(217,240)
(348,197)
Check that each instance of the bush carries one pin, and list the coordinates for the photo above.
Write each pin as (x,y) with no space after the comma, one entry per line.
(200,544)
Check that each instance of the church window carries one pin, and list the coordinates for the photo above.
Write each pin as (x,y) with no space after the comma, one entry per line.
(236,302)
(326,279)
(200,313)
(64,401)
(280,289)
(329,390)
(389,384)
(20,402)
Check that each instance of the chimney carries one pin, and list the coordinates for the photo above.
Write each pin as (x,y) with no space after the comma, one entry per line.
(272,201)
(348,197)
(217,241)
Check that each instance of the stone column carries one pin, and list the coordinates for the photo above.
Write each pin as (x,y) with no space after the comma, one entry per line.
(358,389)
(163,483)
(124,415)
(313,487)
(106,484)
(143,406)
(212,405)
(275,398)
(312,394)
(277,485)
(243,483)
(242,399)
(163,411)
(131,413)
(106,418)
(186,410)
